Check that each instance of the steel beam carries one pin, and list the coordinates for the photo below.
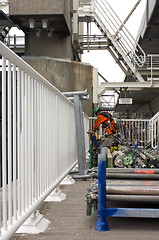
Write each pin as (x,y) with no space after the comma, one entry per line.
(129,85)
(132,212)
(70,94)
(81,153)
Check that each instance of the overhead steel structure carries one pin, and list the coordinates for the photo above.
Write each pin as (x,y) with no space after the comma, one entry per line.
(115,38)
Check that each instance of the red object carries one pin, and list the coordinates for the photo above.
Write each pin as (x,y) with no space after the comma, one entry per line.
(144,172)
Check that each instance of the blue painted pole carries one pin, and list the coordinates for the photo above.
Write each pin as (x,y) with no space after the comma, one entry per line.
(101,224)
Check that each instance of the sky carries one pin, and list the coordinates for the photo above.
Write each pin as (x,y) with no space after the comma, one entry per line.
(102,59)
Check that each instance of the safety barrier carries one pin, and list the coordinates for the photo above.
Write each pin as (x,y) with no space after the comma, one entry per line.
(152,65)
(143,131)
(154,126)
(136,130)
(38,141)
(15,42)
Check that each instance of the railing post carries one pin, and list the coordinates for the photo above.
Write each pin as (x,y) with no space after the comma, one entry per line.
(14,41)
(80,134)
(102,224)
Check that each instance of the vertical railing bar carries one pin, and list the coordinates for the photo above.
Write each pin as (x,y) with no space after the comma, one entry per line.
(48,176)
(51,136)
(155,132)
(45,134)
(29,109)
(26,139)
(19,139)
(49,159)
(14,144)
(32,139)
(141,132)
(51,139)
(144,133)
(48,170)
(47,138)
(4,144)
(150,129)
(40,142)
(22,142)
(56,136)
(38,147)
(35,139)
(9,147)
(138,132)
(42,139)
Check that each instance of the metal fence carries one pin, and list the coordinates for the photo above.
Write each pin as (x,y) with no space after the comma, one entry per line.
(136,130)
(144,131)
(154,126)
(38,141)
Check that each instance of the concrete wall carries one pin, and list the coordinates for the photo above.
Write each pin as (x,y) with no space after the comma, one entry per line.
(58,15)
(149,109)
(66,76)
(58,46)
(36,7)
(42,7)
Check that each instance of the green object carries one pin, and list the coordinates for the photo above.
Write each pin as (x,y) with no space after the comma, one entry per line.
(95,110)
(132,154)
(128,159)
(106,160)
(91,156)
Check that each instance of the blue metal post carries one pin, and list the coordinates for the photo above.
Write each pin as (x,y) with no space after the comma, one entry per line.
(102,224)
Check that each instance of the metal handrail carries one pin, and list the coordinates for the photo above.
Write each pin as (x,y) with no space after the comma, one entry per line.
(152,65)
(111,23)
(38,140)
(15,41)
(144,131)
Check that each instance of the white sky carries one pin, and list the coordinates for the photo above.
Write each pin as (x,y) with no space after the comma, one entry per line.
(102,59)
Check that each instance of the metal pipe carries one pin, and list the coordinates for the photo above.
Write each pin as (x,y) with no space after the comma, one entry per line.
(127,18)
(132,176)
(131,190)
(70,94)
(131,170)
(82,98)
(133,198)
(84,177)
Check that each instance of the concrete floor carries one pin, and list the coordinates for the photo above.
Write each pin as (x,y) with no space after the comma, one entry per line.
(69,221)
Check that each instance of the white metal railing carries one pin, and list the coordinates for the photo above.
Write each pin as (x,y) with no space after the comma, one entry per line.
(152,65)
(144,131)
(111,23)
(136,130)
(154,126)
(15,42)
(38,140)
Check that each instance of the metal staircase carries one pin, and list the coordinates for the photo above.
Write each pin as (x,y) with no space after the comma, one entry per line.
(118,40)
